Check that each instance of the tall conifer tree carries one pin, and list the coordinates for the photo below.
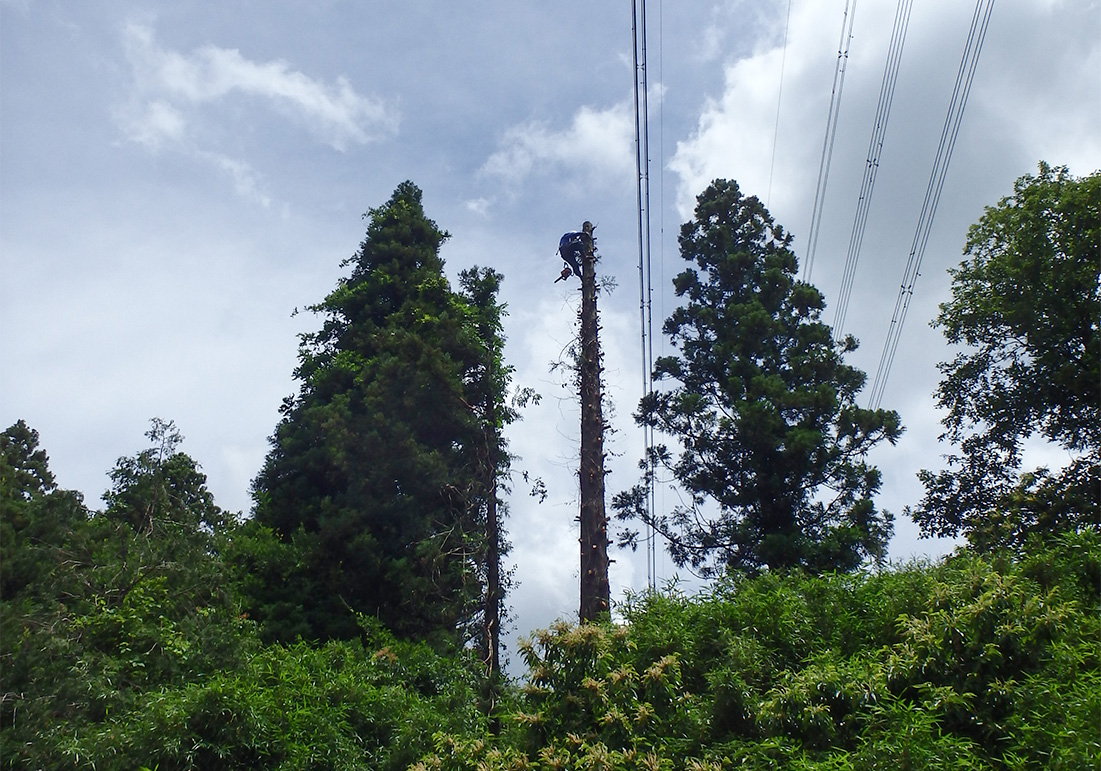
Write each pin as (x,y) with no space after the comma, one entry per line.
(488,379)
(762,406)
(373,469)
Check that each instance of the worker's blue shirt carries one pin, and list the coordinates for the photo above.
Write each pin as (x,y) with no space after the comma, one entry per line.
(569,238)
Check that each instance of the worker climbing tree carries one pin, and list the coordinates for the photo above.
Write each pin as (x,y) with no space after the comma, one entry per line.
(570,247)
(595,591)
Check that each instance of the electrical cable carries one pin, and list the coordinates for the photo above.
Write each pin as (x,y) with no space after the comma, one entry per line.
(962,89)
(831,135)
(779,99)
(661,264)
(645,288)
(649,363)
(875,148)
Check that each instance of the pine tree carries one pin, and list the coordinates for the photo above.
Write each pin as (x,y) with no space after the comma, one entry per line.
(488,379)
(762,407)
(373,470)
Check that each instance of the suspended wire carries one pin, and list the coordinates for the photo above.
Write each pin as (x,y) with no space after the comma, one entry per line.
(952,121)
(831,135)
(652,535)
(779,99)
(645,288)
(875,148)
(661,254)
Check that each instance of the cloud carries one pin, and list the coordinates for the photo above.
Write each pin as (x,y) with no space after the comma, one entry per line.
(154,124)
(597,144)
(479,206)
(734,136)
(737,135)
(170,86)
(174,95)
(737,23)
(245,179)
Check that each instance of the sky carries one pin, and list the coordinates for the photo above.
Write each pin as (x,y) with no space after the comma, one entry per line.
(176,179)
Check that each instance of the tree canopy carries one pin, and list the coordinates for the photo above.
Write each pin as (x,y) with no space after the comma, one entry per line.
(1025,309)
(373,476)
(123,644)
(100,609)
(770,444)
(488,384)
(35,511)
(127,649)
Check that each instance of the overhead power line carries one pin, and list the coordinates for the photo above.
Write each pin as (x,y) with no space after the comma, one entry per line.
(779,99)
(645,288)
(875,148)
(831,134)
(960,92)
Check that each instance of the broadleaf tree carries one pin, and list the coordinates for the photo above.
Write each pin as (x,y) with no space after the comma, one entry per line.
(373,475)
(162,487)
(1025,310)
(119,605)
(768,441)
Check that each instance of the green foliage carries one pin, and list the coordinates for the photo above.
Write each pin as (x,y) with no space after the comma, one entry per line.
(338,706)
(763,408)
(590,702)
(121,603)
(36,514)
(123,647)
(161,488)
(373,473)
(1027,306)
(272,580)
(487,381)
(975,663)
(587,681)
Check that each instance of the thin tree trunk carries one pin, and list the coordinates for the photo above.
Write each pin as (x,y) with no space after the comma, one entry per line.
(493,595)
(493,584)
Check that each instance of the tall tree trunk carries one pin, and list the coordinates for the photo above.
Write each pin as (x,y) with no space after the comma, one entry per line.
(493,583)
(595,591)
(493,593)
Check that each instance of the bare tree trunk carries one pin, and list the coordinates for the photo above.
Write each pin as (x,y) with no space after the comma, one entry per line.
(595,590)
(493,593)
(493,584)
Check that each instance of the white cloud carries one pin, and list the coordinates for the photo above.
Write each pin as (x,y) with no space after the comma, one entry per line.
(168,83)
(171,106)
(479,206)
(153,123)
(245,179)
(739,23)
(736,135)
(597,144)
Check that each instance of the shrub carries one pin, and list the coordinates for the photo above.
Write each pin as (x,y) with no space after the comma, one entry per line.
(973,663)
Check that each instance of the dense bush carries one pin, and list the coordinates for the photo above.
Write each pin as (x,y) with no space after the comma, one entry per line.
(972,663)
(342,705)
(128,687)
